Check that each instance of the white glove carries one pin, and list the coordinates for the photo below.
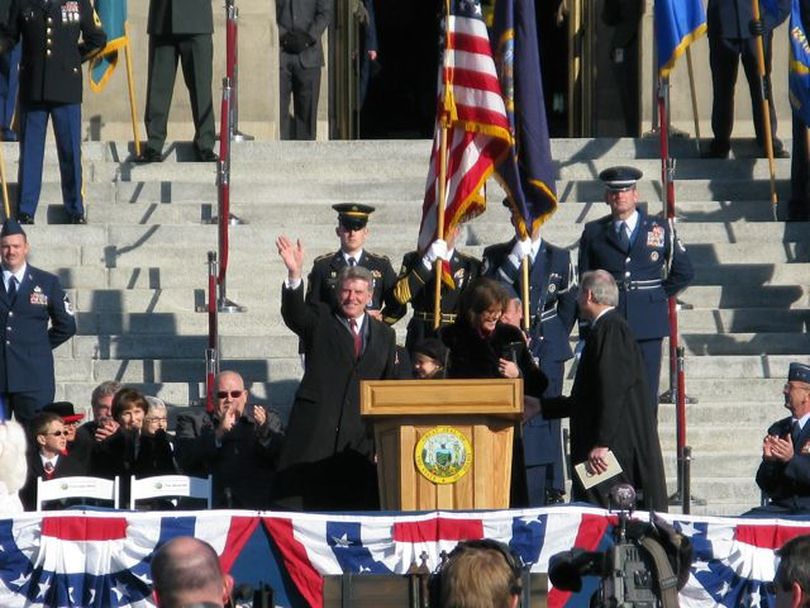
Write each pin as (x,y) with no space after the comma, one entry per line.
(522,248)
(436,251)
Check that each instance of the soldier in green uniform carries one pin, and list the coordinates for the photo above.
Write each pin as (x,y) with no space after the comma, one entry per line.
(352,230)
(417,280)
(179,30)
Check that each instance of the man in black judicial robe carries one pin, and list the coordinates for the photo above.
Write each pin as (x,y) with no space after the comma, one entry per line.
(327,462)
(609,403)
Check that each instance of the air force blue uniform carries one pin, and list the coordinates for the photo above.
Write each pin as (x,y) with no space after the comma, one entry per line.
(644,279)
(553,305)
(26,357)
(50,82)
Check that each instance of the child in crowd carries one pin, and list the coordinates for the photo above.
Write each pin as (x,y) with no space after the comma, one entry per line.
(429,359)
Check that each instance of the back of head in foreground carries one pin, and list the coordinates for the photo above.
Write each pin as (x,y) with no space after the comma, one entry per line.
(186,573)
(792,580)
(480,574)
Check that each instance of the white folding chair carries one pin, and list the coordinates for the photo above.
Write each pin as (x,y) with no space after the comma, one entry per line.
(169,486)
(77,487)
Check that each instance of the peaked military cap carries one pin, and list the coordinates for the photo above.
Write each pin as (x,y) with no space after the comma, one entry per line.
(11,227)
(799,372)
(620,178)
(353,216)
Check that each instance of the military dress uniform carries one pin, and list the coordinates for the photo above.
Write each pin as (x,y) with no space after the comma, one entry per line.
(180,29)
(26,357)
(730,39)
(655,267)
(50,83)
(416,284)
(321,283)
(553,309)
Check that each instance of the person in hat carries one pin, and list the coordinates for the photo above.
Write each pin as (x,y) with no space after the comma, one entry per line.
(648,261)
(553,310)
(784,473)
(78,445)
(30,299)
(352,230)
(416,284)
(429,359)
(57,37)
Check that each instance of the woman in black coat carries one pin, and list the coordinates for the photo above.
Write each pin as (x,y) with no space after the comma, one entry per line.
(482,346)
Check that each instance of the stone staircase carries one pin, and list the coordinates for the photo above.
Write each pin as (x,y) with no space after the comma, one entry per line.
(138,269)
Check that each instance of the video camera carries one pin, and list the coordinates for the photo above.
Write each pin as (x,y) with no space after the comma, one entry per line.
(646,566)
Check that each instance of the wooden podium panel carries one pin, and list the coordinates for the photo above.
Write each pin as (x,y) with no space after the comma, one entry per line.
(484,412)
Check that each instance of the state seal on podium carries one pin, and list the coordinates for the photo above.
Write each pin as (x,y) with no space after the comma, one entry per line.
(443,455)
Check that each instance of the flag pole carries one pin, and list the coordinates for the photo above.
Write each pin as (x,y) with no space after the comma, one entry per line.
(525,292)
(766,113)
(693,92)
(131,85)
(6,204)
(437,294)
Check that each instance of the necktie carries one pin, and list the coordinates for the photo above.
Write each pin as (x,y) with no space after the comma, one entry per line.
(48,466)
(12,288)
(624,238)
(795,431)
(352,262)
(358,339)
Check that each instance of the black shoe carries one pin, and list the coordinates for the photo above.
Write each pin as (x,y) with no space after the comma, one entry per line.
(24,218)
(149,155)
(206,156)
(715,151)
(78,219)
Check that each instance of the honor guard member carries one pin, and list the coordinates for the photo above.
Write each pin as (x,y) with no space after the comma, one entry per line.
(30,298)
(50,83)
(417,280)
(553,310)
(352,230)
(645,257)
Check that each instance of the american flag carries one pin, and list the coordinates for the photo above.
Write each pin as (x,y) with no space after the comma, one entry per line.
(470,106)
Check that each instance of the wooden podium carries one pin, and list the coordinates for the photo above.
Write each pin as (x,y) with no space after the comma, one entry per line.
(443,444)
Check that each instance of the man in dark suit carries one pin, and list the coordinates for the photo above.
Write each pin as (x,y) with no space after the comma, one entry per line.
(645,257)
(784,474)
(327,460)
(733,34)
(553,309)
(51,87)
(239,449)
(301,23)
(352,230)
(416,284)
(31,298)
(47,457)
(609,403)
(179,30)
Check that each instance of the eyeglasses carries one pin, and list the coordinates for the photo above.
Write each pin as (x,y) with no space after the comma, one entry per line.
(233,394)
(156,419)
(56,433)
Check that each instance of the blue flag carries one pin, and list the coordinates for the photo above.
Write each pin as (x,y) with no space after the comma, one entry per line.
(527,173)
(678,23)
(113,15)
(799,74)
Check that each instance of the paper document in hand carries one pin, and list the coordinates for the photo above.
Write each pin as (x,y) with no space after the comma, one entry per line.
(589,479)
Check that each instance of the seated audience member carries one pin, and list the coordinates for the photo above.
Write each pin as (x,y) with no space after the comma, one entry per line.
(47,456)
(13,465)
(429,359)
(792,580)
(103,425)
(186,572)
(128,451)
(784,474)
(79,446)
(157,417)
(239,448)
(480,574)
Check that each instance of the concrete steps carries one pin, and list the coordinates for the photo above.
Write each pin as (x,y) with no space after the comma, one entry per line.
(138,269)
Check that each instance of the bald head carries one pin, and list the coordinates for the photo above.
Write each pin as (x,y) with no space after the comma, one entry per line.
(231,393)
(186,571)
